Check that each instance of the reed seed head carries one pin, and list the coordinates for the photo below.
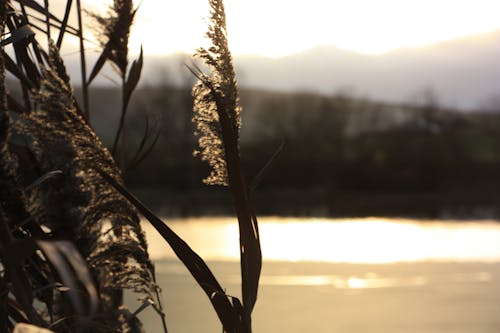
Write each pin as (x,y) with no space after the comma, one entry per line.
(113,32)
(216,98)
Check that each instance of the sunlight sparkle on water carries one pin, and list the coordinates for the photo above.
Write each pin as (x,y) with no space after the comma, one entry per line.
(363,241)
(371,240)
(337,281)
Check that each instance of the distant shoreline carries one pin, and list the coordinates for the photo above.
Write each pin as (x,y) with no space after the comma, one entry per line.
(299,203)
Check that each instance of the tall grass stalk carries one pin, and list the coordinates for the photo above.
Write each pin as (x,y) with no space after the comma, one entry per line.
(113,32)
(69,201)
(83,61)
(217,115)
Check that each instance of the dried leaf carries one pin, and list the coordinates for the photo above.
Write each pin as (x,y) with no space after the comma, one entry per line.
(133,77)
(227,313)
(27,328)
(43,178)
(73,272)
(99,64)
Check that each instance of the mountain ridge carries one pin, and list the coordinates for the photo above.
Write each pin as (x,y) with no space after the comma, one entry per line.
(462,73)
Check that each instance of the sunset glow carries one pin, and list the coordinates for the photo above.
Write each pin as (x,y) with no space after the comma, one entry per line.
(277,28)
(369,241)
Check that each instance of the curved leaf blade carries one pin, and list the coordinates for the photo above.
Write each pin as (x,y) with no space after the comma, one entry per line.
(228,314)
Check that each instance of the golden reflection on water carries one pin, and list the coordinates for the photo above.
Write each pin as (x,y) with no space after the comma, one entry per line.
(370,240)
(340,282)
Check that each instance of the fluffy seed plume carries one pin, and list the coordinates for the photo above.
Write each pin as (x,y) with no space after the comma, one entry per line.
(216,102)
(114,30)
(82,206)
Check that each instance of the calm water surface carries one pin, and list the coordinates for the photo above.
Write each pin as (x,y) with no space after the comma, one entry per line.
(326,275)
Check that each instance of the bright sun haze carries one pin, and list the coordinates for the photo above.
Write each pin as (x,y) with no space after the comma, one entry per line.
(277,28)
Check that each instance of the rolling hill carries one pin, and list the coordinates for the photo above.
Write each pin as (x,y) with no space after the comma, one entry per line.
(462,73)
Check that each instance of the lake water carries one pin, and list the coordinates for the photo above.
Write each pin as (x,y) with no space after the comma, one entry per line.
(333,275)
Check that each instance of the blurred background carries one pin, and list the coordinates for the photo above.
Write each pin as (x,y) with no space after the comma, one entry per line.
(384,108)
(380,212)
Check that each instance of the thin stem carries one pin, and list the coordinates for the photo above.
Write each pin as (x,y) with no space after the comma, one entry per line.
(47,18)
(160,306)
(119,138)
(64,23)
(83,63)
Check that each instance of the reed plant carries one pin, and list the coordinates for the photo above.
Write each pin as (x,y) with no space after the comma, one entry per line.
(71,242)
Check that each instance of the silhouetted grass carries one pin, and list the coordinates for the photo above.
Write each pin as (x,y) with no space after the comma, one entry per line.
(218,121)
(71,242)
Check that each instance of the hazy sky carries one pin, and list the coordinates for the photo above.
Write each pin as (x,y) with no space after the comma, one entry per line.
(279,27)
